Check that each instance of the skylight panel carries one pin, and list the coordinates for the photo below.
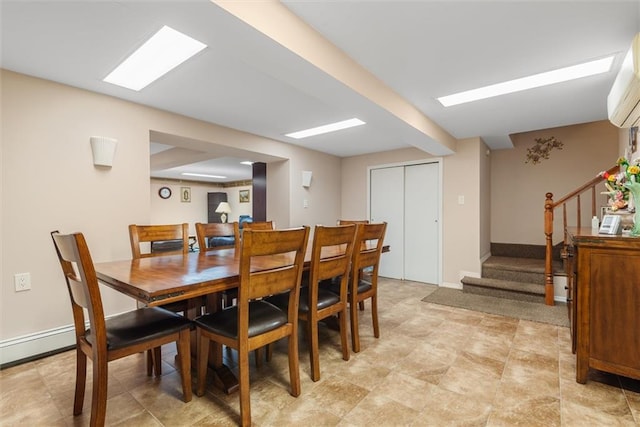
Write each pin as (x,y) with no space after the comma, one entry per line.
(164,51)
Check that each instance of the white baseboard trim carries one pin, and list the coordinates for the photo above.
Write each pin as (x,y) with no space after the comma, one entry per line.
(451,285)
(37,343)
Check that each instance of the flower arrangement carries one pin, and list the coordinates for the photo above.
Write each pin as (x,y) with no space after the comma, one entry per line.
(619,184)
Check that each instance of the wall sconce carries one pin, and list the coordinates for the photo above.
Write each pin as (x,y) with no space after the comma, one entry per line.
(223,209)
(104,149)
(306,178)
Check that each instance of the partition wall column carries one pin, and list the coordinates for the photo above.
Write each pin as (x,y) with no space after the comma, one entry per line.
(259,191)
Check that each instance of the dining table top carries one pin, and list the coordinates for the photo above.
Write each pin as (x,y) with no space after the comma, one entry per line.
(164,279)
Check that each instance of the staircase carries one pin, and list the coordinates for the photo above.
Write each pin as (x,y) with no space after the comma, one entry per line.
(514,271)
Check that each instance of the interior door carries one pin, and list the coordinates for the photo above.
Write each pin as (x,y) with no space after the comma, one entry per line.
(421,216)
(408,199)
(387,204)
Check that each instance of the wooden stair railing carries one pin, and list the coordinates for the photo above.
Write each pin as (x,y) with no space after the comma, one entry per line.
(549,206)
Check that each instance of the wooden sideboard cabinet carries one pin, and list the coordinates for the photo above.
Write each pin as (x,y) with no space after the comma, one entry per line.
(607,303)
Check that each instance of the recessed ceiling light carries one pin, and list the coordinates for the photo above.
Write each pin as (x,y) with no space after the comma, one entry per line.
(203,175)
(537,80)
(246,163)
(345,124)
(164,51)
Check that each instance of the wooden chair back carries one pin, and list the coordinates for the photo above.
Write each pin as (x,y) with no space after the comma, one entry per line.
(82,283)
(206,231)
(352,221)
(258,225)
(158,233)
(369,241)
(340,239)
(271,262)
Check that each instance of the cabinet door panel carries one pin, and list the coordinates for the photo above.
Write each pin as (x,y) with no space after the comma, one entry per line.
(614,315)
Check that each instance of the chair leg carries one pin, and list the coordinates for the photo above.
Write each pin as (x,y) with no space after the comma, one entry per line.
(99,393)
(245,399)
(81,380)
(342,318)
(314,356)
(361,305)
(157,361)
(294,364)
(269,351)
(184,354)
(374,316)
(258,356)
(355,335)
(149,362)
(202,359)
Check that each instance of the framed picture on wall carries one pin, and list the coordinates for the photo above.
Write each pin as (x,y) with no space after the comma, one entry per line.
(244,196)
(185,194)
(633,139)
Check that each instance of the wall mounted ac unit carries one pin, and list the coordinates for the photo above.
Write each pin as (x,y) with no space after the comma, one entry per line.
(623,102)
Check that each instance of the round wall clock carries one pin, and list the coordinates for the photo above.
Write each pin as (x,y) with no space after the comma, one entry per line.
(164,192)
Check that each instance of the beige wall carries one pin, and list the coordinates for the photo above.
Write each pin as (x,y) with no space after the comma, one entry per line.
(518,189)
(174,211)
(463,224)
(54,185)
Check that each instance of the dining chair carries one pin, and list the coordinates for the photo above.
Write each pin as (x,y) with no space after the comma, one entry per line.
(271,262)
(317,302)
(354,221)
(259,225)
(214,236)
(366,255)
(116,337)
(159,240)
(169,239)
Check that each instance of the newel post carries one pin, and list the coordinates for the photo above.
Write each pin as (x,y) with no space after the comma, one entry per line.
(548,261)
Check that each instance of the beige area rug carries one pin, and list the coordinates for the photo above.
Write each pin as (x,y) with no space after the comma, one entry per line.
(555,315)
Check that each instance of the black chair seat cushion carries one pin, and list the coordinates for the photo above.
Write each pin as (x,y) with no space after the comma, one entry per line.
(263,317)
(363,285)
(221,241)
(140,325)
(326,298)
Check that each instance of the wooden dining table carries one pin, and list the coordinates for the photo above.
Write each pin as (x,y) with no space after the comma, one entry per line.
(161,280)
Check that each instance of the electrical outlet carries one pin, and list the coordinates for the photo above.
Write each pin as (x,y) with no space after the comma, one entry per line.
(22,281)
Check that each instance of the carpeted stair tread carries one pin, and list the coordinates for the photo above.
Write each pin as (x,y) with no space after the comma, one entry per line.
(509,285)
(515,264)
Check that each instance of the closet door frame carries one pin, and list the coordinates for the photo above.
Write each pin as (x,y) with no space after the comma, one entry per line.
(439,162)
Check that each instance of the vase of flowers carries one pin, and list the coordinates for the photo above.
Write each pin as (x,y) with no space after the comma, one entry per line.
(624,189)
(634,189)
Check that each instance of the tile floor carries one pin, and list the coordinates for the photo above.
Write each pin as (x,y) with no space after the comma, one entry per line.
(433,365)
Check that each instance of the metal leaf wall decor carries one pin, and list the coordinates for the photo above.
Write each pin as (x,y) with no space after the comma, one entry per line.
(541,149)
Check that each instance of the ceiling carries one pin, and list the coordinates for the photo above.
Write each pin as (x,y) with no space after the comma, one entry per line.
(245,80)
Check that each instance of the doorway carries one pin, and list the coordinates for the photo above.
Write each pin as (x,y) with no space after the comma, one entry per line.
(407,197)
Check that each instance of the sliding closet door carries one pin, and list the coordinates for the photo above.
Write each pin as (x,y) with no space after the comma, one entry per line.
(421,211)
(387,204)
(408,199)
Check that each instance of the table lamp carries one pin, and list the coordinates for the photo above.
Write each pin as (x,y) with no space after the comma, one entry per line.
(223,209)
